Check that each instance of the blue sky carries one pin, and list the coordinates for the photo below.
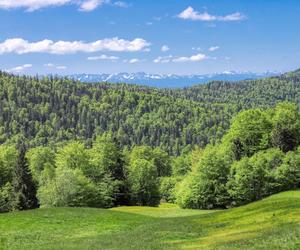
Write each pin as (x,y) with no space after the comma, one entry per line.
(167,36)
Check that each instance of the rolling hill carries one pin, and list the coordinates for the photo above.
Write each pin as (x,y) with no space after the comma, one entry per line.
(272,223)
(52,110)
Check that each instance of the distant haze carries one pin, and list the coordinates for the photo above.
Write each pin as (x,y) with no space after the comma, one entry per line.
(170,80)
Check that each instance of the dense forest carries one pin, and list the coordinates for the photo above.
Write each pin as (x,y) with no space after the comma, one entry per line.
(53,110)
(258,156)
(65,143)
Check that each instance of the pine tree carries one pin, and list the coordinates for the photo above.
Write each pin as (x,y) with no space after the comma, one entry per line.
(24,187)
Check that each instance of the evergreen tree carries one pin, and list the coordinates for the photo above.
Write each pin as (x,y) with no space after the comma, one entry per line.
(24,187)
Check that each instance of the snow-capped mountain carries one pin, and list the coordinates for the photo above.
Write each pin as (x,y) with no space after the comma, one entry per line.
(169,80)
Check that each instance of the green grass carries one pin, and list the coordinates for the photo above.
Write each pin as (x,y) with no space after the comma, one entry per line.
(273,223)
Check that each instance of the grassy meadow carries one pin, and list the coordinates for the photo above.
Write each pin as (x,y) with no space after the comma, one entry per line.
(273,223)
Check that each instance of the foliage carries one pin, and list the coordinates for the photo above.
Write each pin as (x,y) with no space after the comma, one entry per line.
(254,178)
(250,168)
(249,133)
(6,198)
(73,155)
(23,185)
(288,174)
(8,159)
(205,187)
(162,162)
(68,188)
(122,143)
(167,188)
(107,168)
(181,165)
(143,182)
(40,158)
(286,127)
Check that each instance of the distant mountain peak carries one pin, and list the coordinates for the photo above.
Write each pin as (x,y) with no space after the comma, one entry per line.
(169,80)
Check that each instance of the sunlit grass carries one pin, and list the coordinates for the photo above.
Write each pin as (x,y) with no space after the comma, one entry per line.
(273,223)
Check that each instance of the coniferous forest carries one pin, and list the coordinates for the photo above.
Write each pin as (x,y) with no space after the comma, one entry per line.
(218,145)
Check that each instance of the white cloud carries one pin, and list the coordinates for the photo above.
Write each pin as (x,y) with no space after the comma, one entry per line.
(21,46)
(170,58)
(51,65)
(191,14)
(157,18)
(165,48)
(103,57)
(213,48)
(61,67)
(197,48)
(132,61)
(121,4)
(19,69)
(149,23)
(90,5)
(194,58)
(32,5)
(163,59)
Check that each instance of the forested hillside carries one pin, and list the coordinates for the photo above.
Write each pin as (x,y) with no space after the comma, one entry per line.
(104,145)
(247,94)
(51,110)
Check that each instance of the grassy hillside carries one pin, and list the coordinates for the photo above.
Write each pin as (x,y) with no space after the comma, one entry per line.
(273,223)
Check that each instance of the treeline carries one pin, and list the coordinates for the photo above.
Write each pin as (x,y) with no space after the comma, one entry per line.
(52,110)
(74,175)
(259,156)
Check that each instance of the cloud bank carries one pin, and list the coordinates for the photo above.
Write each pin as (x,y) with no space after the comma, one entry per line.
(83,5)
(19,69)
(21,46)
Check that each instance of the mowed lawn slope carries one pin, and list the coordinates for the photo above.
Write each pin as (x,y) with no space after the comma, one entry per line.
(273,223)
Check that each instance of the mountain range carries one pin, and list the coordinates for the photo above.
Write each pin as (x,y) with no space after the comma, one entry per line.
(170,80)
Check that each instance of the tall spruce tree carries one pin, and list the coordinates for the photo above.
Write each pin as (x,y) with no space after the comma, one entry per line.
(24,187)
